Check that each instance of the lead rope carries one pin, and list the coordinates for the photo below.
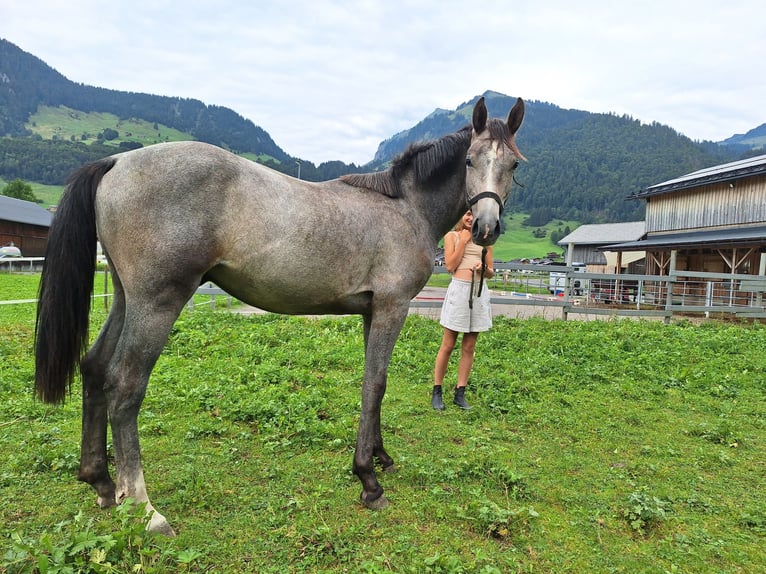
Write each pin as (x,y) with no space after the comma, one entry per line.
(470,294)
(483,269)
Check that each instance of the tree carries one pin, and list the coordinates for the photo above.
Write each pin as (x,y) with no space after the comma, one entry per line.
(20,190)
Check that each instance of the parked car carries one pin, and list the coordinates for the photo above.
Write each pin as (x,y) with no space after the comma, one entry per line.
(557,281)
(8,251)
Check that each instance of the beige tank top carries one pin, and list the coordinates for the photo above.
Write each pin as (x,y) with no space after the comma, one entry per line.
(471,255)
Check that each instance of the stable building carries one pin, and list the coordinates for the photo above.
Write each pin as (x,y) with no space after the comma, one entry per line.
(585,245)
(25,225)
(711,220)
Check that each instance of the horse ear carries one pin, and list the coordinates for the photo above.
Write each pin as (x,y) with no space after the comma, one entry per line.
(515,116)
(479,116)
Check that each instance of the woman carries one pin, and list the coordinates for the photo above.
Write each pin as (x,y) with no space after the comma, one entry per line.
(464,309)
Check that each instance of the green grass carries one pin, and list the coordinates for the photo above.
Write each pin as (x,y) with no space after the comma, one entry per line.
(619,446)
(518,241)
(67,124)
(46,194)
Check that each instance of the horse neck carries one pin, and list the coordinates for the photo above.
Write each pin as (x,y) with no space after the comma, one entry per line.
(441,205)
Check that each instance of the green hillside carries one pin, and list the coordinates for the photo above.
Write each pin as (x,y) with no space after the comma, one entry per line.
(519,241)
(47,194)
(66,123)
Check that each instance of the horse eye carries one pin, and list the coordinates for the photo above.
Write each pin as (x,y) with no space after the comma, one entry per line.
(468,162)
(515,165)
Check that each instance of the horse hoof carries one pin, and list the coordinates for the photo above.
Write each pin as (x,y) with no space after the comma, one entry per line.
(389,469)
(378,504)
(159,525)
(105,502)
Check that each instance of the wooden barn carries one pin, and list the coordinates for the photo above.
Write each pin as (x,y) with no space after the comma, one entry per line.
(712,220)
(584,245)
(25,224)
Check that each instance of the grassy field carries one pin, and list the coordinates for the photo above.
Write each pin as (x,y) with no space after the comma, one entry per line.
(518,241)
(66,124)
(620,446)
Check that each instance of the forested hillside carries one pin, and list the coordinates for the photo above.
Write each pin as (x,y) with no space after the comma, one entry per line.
(581,165)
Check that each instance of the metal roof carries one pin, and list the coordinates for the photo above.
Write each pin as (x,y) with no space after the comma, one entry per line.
(716,174)
(604,233)
(20,211)
(728,237)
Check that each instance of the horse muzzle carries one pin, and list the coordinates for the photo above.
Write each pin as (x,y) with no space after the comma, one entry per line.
(486,217)
(485,231)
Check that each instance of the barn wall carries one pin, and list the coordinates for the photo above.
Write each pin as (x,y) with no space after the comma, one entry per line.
(587,254)
(31,239)
(708,206)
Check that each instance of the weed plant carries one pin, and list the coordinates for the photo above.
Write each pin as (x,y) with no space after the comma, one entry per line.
(617,446)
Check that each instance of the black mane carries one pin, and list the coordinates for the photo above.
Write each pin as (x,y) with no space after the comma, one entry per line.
(427,159)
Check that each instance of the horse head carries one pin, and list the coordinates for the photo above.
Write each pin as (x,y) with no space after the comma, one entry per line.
(491,160)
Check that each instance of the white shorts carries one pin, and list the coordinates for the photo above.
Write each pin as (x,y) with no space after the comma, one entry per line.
(458,316)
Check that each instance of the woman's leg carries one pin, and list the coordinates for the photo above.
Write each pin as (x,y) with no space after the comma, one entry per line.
(464,368)
(440,368)
(467,349)
(449,338)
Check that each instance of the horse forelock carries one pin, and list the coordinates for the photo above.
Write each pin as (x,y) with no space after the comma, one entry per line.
(498,130)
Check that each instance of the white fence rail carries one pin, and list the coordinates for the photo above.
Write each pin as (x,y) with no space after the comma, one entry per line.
(16,264)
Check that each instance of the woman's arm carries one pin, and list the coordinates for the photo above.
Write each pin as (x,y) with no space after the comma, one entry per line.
(454,248)
(490,272)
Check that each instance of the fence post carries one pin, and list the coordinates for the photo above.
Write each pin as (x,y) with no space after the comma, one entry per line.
(671,284)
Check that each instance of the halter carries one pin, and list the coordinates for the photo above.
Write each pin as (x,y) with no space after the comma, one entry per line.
(491,194)
(471,202)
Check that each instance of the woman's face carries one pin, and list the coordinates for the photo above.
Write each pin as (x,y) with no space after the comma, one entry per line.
(467,219)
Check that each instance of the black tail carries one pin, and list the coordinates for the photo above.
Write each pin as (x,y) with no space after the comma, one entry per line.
(66,286)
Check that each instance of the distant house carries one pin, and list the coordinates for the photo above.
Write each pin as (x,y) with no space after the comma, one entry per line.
(584,245)
(25,224)
(711,220)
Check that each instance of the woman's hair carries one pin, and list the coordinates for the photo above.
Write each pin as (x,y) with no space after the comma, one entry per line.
(459,224)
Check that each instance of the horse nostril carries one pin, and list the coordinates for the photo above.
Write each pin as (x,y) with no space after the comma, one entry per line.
(485,233)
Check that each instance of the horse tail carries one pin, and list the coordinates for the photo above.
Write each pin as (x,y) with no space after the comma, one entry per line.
(66,285)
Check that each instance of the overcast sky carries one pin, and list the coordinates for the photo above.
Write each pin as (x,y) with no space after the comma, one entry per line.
(329,80)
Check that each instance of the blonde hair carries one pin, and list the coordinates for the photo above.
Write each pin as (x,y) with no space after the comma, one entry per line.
(459,224)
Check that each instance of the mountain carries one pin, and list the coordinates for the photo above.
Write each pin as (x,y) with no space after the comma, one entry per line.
(755,139)
(581,165)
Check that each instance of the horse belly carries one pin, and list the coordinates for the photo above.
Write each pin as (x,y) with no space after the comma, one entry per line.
(294,293)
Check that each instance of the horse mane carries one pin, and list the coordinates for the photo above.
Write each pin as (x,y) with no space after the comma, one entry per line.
(428,160)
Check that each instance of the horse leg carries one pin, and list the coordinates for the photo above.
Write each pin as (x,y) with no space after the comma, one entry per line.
(381,329)
(143,337)
(93,457)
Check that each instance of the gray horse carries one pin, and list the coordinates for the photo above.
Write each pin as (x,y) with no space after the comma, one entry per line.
(171,216)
